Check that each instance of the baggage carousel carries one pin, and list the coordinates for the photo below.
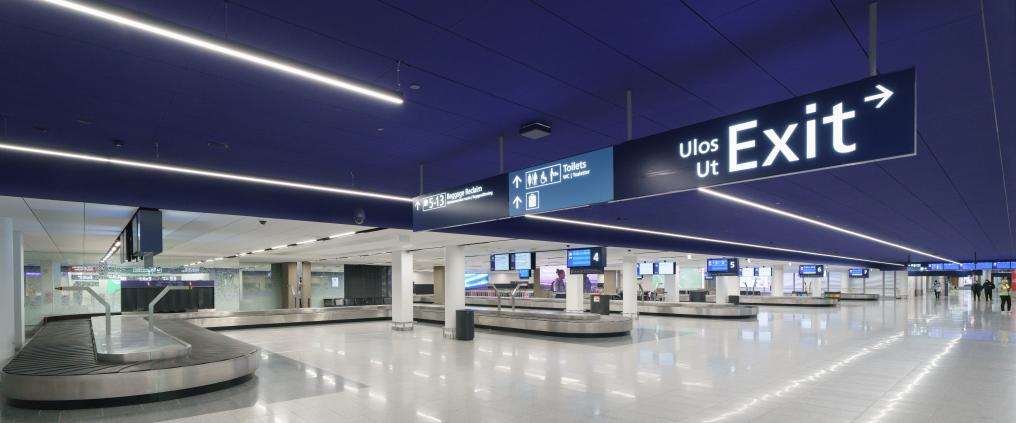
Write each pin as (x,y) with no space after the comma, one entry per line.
(850,296)
(63,365)
(757,300)
(536,321)
(679,309)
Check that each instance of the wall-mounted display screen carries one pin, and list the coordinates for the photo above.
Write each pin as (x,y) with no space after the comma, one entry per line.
(476,280)
(645,268)
(747,272)
(763,271)
(666,268)
(708,277)
(587,260)
(500,263)
(722,266)
(811,270)
(525,273)
(522,261)
(857,273)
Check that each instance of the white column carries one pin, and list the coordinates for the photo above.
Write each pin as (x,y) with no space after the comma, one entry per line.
(402,290)
(670,286)
(776,282)
(817,286)
(6,289)
(455,286)
(19,290)
(630,306)
(844,282)
(725,287)
(573,294)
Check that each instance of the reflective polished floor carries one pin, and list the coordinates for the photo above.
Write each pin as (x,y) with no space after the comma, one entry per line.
(915,360)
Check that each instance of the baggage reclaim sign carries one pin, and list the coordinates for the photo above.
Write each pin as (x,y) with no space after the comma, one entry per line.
(868,120)
(479,201)
(571,182)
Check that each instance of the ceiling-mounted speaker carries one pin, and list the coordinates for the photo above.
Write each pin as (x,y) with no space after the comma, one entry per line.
(534,130)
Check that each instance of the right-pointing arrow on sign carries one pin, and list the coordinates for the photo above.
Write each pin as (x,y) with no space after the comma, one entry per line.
(517,201)
(882,96)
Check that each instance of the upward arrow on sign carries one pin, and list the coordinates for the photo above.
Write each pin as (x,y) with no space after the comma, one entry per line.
(517,181)
(517,201)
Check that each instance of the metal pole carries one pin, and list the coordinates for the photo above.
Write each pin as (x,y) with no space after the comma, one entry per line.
(109,325)
(500,143)
(873,38)
(627,94)
(151,305)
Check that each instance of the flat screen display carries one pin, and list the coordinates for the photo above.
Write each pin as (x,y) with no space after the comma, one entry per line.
(522,261)
(763,271)
(499,263)
(476,280)
(708,276)
(666,268)
(857,273)
(722,266)
(525,273)
(747,272)
(811,270)
(587,260)
(645,268)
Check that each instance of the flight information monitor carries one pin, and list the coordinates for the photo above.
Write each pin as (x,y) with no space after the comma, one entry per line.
(587,260)
(500,263)
(857,273)
(645,268)
(811,270)
(522,261)
(666,268)
(525,273)
(722,266)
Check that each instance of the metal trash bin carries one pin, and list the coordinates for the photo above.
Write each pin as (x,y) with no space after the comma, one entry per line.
(599,304)
(464,325)
(697,295)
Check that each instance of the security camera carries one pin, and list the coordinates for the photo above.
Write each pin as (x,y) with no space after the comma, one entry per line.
(263,222)
(359,216)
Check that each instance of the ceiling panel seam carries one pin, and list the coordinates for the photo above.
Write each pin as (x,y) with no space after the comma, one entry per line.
(998,138)
(44,229)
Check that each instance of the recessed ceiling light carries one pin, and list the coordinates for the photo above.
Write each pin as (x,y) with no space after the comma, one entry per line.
(224,49)
(415,86)
(200,172)
(753,204)
(380,129)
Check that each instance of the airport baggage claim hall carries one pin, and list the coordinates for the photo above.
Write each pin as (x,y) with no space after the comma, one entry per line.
(507,211)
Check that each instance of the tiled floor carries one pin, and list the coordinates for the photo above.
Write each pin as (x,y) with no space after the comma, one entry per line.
(891,361)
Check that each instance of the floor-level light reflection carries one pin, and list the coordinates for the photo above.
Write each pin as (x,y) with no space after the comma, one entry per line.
(797,383)
(924,371)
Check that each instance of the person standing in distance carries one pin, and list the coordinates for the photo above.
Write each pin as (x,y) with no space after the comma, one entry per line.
(988,287)
(975,289)
(1003,295)
(937,287)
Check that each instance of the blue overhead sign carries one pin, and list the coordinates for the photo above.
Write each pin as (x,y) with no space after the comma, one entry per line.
(479,201)
(570,182)
(864,121)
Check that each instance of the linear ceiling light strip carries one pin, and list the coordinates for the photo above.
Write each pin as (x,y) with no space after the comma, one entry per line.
(698,238)
(277,247)
(223,49)
(199,172)
(816,222)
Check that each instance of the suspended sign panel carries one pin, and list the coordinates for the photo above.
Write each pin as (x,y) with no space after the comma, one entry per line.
(868,120)
(479,201)
(570,182)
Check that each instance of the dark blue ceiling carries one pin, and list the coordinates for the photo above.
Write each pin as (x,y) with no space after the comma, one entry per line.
(485,67)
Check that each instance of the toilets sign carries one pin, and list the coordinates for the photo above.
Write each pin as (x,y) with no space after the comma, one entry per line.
(864,121)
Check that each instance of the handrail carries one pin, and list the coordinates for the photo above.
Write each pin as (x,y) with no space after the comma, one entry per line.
(497,293)
(151,305)
(515,290)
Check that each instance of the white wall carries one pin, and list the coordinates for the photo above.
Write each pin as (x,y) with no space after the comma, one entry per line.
(423,278)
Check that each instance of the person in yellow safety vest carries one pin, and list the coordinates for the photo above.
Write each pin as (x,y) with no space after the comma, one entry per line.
(1003,294)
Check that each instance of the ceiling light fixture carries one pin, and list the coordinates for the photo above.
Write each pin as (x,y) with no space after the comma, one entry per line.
(199,172)
(238,53)
(704,239)
(816,222)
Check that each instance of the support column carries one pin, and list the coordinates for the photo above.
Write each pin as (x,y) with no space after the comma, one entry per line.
(670,286)
(630,303)
(844,281)
(817,285)
(19,290)
(402,290)
(6,289)
(455,286)
(573,298)
(725,287)
(776,282)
